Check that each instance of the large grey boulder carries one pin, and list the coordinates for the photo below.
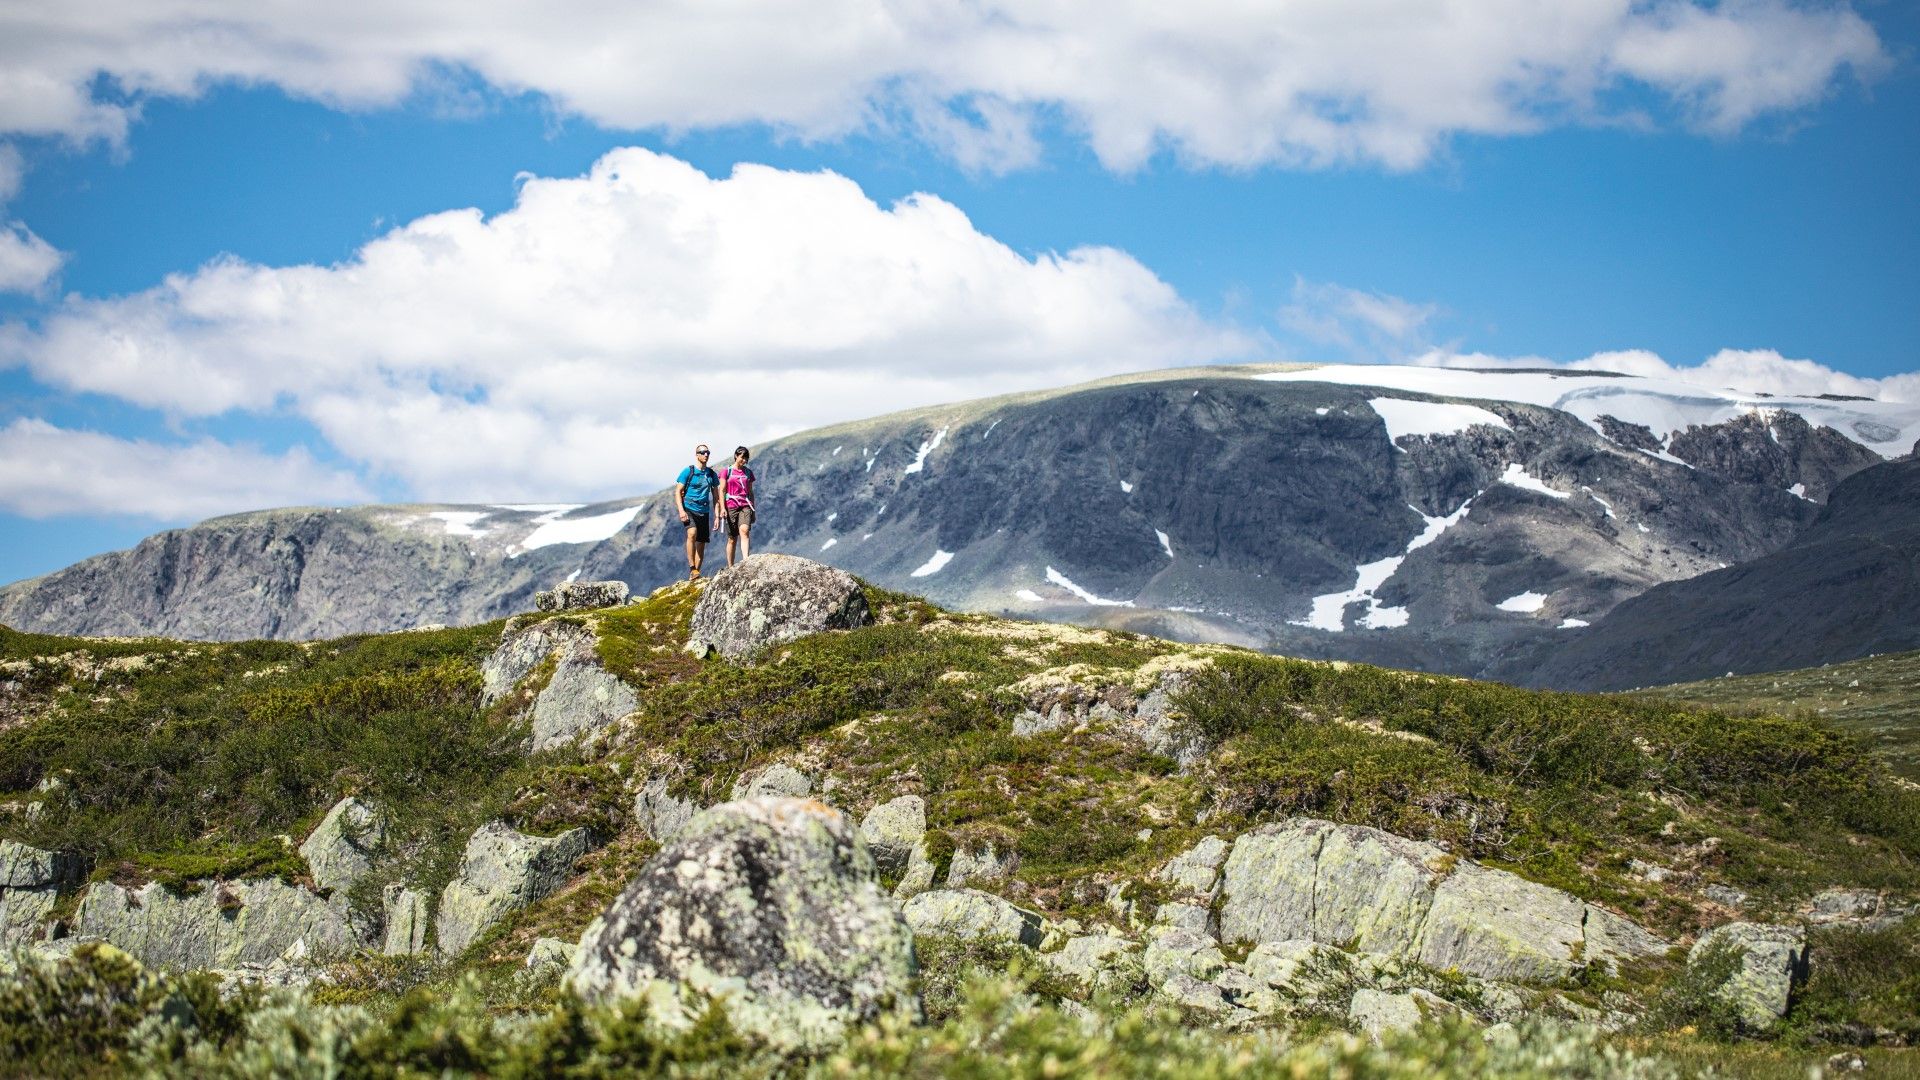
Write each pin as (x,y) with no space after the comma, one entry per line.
(30,881)
(1375,892)
(1770,960)
(1096,960)
(768,905)
(768,599)
(224,925)
(1172,949)
(341,848)
(1196,872)
(984,863)
(1308,978)
(582,697)
(892,830)
(503,871)
(972,915)
(522,650)
(581,596)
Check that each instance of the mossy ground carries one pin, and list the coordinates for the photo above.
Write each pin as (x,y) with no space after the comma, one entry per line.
(187,762)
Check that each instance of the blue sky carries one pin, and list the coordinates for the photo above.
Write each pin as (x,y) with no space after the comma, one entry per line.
(216,334)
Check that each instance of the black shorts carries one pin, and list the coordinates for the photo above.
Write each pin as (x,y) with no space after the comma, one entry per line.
(698,523)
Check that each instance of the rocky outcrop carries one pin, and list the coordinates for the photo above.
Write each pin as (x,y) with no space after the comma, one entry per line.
(30,883)
(659,815)
(768,905)
(1133,704)
(582,697)
(971,915)
(1379,893)
(523,649)
(581,596)
(503,871)
(224,925)
(1375,1013)
(1097,961)
(768,599)
(340,850)
(1765,963)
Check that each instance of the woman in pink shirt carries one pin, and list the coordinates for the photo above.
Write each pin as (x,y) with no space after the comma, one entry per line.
(737,482)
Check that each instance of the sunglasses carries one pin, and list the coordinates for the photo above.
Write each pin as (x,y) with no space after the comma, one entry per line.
(701,453)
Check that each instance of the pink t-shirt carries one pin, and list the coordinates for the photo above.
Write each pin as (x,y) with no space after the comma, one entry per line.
(739,487)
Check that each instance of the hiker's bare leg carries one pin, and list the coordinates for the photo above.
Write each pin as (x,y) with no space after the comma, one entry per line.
(733,541)
(693,561)
(746,544)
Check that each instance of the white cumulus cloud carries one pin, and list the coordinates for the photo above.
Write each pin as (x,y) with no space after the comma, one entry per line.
(1221,82)
(577,344)
(47,471)
(27,263)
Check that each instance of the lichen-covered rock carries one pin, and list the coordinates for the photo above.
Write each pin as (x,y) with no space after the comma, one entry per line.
(1186,916)
(523,650)
(1187,992)
(1135,705)
(503,871)
(769,905)
(1096,961)
(1171,949)
(406,921)
(918,876)
(581,596)
(972,915)
(1375,1013)
(1307,977)
(892,830)
(30,881)
(1196,872)
(1380,893)
(980,864)
(1771,960)
(660,815)
(768,599)
(582,697)
(340,849)
(772,782)
(224,925)
(551,953)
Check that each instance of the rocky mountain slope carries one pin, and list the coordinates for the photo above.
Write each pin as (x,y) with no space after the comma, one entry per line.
(1846,587)
(1433,519)
(929,842)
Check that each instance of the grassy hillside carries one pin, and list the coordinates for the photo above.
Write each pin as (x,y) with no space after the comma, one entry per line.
(1877,699)
(187,763)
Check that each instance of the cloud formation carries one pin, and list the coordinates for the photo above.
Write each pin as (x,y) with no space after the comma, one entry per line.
(27,263)
(1216,82)
(47,471)
(1365,325)
(579,343)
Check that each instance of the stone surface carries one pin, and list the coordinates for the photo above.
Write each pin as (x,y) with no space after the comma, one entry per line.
(772,782)
(1186,916)
(1188,992)
(581,596)
(892,830)
(1309,978)
(582,697)
(1375,1013)
(341,848)
(224,925)
(971,915)
(660,815)
(981,864)
(503,871)
(30,881)
(1093,959)
(1171,949)
(1196,872)
(1379,893)
(406,921)
(918,876)
(768,599)
(770,905)
(551,953)
(522,650)
(1772,961)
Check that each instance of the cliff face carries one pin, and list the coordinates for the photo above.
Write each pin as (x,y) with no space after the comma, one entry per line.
(1206,504)
(1849,586)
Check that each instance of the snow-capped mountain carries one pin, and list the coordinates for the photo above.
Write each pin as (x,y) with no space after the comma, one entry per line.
(1420,517)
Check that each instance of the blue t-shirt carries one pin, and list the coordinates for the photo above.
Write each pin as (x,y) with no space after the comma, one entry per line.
(700,482)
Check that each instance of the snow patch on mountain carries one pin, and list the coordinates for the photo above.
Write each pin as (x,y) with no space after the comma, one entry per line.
(1525,603)
(934,565)
(1429,418)
(1060,579)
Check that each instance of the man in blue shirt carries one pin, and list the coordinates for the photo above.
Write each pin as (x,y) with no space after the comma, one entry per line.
(693,496)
